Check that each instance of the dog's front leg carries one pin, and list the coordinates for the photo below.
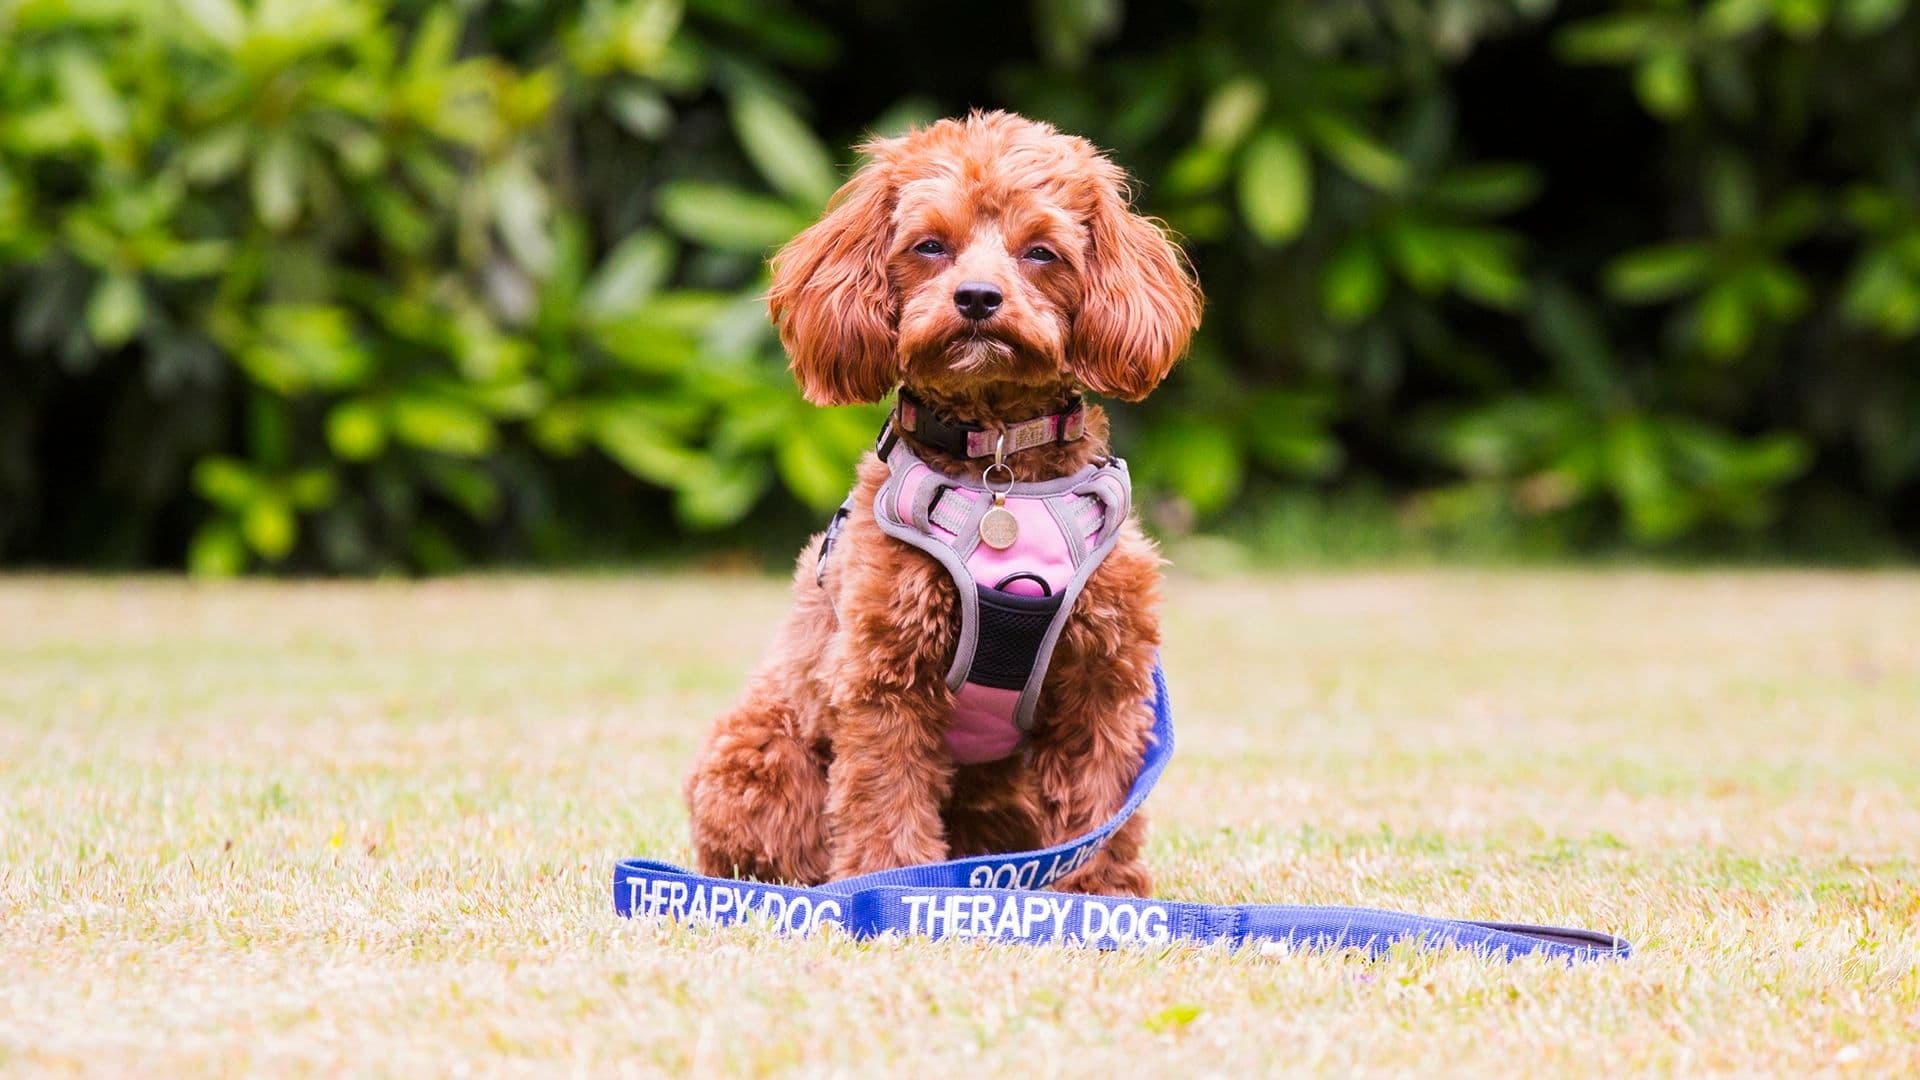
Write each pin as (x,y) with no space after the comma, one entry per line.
(889,778)
(891,773)
(1084,764)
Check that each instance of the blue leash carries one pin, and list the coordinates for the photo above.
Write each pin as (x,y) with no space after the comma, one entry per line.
(1002,898)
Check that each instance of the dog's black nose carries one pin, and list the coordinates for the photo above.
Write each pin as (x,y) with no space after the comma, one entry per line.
(977,299)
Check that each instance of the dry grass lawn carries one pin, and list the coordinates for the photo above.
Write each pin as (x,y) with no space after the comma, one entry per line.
(318,827)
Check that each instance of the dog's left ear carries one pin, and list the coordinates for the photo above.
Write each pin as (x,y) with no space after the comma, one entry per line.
(1139,304)
(831,299)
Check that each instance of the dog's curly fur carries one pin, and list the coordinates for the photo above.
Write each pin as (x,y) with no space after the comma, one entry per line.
(834,761)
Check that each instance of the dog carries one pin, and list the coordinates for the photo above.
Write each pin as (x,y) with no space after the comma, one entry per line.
(991,268)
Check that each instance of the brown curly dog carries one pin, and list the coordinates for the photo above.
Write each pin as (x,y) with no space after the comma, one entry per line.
(992,266)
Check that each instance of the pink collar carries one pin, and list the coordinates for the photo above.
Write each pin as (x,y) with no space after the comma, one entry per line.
(963,438)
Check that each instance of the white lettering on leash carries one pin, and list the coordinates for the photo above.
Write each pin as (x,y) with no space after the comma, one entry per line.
(1037,918)
(653,898)
(1122,924)
(1028,875)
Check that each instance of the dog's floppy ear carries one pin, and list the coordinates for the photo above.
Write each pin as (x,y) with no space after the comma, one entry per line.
(1139,304)
(831,299)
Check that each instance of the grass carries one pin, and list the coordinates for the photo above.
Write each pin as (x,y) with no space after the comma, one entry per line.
(307,828)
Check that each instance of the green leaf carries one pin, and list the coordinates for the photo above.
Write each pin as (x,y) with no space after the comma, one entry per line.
(642,342)
(202,258)
(277,169)
(269,431)
(1358,153)
(1198,170)
(1424,255)
(1199,460)
(1486,190)
(811,469)
(728,218)
(1800,19)
(1658,273)
(1289,432)
(561,429)
(1862,18)
(1571,334)
(523,211)
(216,154)
(216,551)
(268,525)
(1637,473)
(442,424)
(1634,467)
(220,20)
(783,148)
(434,41)
(470,487)
(405,226)
(1484,270)
(303,346)
(1612,39)
(1514,435)
(1724,324)
(1353,283)
(356,430)
(432,550)
(631,274)
(1774,288)
(311,489)
(643,446)
(1732,18)
(1231,112)
(1730,195)
(1664,82)
(724,496)
(1276,186)
(643,113)
(1874,287)
(115,310)
(86,89)
(1874,209)
(225,482)
(1774,459)
(1793,218)
(1068,29)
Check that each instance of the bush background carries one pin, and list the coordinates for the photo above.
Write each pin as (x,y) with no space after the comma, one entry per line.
(362,286)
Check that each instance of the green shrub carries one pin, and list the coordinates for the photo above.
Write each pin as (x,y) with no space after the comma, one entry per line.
(360,285)
(406,270)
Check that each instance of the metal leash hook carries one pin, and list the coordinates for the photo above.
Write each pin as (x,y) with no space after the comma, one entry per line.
(999,529)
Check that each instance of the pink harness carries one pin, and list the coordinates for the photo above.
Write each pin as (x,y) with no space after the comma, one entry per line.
(1014,597)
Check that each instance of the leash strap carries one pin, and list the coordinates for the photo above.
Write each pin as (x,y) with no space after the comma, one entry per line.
(1002,898)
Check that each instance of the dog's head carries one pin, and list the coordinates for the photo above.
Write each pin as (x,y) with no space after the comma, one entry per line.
(987,250)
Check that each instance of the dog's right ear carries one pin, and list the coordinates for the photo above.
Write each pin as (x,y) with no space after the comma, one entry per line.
(831,299)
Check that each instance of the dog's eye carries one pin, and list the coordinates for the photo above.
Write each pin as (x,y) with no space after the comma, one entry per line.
(930,247)
(1041,254)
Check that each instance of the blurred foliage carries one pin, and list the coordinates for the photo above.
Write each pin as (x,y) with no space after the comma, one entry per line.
(366,285)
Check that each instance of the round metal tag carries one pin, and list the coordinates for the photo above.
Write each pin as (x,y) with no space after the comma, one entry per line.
(999,528)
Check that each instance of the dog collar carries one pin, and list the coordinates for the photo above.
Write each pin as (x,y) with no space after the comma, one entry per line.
(963,438)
